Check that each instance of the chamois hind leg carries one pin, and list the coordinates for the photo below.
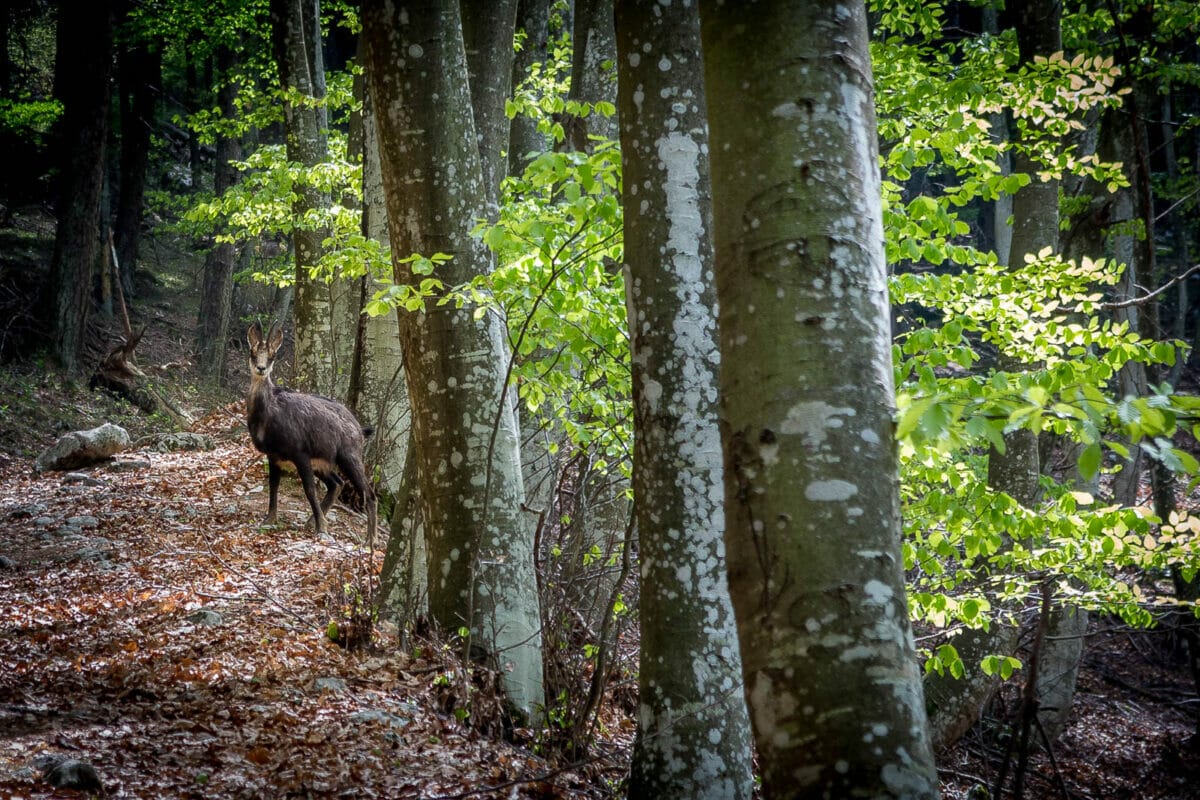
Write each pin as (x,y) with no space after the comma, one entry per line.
(274,473)
(353,469)
(308,479)
(333,487)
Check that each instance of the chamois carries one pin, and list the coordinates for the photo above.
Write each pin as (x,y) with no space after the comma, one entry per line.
(314,435)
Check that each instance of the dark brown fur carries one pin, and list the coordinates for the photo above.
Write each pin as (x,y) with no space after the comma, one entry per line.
(317,436)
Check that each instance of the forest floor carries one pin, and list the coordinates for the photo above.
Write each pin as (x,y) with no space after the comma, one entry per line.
(151,628)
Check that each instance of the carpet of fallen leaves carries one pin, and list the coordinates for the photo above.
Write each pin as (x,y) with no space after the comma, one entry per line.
(1131,735)
(150,627)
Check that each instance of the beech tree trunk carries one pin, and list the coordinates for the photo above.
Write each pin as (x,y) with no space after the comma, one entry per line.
(593,68)
(693,731)
(81,83)
(481,572)
(296,39)
(216,298)
(533,18)
(488,27)
(807,399)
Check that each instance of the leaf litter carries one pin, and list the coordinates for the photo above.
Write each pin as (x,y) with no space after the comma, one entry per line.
(150,627)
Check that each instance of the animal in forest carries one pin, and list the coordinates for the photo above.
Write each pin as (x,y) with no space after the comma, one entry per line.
(316,436)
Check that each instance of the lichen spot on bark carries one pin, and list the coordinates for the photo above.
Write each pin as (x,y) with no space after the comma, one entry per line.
(811,420)
(830,491)
(878,593)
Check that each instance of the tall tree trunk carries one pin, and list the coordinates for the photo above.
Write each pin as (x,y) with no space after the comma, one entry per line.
(533,18)
(81,83)
(216,297)
(480,550)
(593,68)
(488,27)
(296,38)
(140,76)
(693,733)
(807,398)
(382,398)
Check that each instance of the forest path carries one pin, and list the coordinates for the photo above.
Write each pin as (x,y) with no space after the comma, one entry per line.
(151,628)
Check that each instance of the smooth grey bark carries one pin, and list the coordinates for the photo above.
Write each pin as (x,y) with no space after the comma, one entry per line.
(81,83)
(383,400)
(533,19)
(383,397)
(481,571)
(296,42)
(403,579)
(593,69)
(216,297)
(488,27)
(693,730)
(807,399)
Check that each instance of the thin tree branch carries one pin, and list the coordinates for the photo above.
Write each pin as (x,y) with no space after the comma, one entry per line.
(1137,301)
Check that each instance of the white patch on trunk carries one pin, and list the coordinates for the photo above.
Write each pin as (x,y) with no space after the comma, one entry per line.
(830,491)
(812,419)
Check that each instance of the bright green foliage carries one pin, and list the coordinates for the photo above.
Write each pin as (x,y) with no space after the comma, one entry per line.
(29,120)
(543,94)
(560,287)
(260,205)
(937,102)
(973,553)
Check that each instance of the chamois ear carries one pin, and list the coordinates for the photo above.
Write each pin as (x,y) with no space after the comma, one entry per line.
(254,336)
(275,337)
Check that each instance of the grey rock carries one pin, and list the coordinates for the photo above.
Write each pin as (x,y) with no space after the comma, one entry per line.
(83,478)
(98,554)
(83,522)
(78,448)
(207,617)
(384,717)
(129,465)
(7,563)
(329,685)
(44,522)
(171,442)
(24,512)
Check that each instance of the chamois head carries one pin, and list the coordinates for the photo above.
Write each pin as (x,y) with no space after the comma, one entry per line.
(262,353)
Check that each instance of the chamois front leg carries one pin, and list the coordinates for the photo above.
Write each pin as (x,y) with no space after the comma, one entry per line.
(274,473)
(304,467)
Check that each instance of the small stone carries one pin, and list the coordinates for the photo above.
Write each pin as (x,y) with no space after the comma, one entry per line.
(170,442)
(384,717)
(31,510)
(80,477)
(129,465)
(7,563)
(206,617)
(98,555)
(44,522)
(329,685)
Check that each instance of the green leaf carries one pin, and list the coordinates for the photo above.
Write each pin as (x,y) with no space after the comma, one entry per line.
(1089,461)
